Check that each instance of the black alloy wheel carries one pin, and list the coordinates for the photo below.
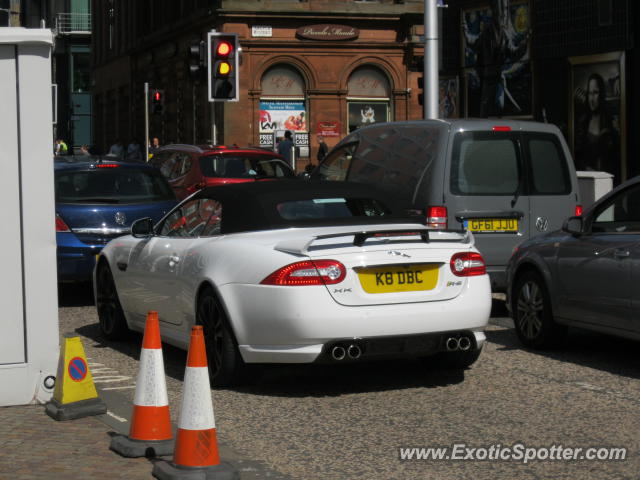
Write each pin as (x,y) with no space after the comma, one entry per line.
(113,324)
(226,367)
(532,313)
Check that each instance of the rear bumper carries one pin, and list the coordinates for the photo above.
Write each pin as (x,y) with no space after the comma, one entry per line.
(293,324)
(75,259)
(370,348)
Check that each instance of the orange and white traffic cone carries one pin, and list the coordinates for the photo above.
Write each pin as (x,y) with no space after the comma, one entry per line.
(150,432)
(196,447)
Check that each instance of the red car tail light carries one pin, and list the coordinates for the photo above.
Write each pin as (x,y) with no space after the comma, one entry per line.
(195,187)
(60,225)
(467,264)
(316,272)
(107,165)
(501,128)
(437,218)
(578,211)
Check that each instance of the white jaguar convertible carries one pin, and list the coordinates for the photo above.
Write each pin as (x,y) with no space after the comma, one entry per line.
(297,272)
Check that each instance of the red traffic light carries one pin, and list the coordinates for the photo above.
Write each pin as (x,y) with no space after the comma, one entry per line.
(157,96)
(223,49)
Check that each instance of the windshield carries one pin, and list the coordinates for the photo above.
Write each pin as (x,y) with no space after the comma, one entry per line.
(244,166)
(111,185)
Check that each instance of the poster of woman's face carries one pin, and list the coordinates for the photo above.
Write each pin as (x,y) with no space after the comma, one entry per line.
(597,113)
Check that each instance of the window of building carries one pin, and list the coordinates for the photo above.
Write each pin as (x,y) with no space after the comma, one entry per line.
(283,107)
(80,69)
(368,98)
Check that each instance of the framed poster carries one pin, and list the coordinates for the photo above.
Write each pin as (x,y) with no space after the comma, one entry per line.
(282,115)
(449,94)
(495,58)
(597,116)
(367,113)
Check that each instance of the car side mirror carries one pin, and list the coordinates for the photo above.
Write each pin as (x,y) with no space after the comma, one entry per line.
(573,225)
(142,228)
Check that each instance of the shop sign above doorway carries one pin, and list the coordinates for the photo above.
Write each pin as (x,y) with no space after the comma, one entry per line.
(328,32)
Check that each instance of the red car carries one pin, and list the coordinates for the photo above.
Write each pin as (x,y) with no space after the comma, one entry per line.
(189,168)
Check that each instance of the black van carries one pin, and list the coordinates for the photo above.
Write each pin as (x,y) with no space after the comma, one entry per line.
(505,180)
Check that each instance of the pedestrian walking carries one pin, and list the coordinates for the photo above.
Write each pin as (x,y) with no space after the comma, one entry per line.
(117,149)
(134,151)
(322,148)
(155,145)
(285,146)
(61,147)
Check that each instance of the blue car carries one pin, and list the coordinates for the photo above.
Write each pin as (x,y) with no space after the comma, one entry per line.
(97,200)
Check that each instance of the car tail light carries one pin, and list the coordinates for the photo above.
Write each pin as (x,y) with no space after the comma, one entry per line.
(578,211)
(194,188)
(437,217)
(107,165)
(316,272)
(60,225)
(467,264)
(501,128)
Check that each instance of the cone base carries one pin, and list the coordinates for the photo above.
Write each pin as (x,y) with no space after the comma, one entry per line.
(70,411)
(164,470)
(131,448)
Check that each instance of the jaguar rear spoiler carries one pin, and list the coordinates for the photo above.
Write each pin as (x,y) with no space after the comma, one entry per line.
(301,245)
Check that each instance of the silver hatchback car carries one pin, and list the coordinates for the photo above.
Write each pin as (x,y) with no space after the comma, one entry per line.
(585,275)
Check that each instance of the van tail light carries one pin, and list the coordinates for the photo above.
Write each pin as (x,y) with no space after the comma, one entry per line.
(467,264)
(60,225)
(315,272)
(578,211)
(437,218)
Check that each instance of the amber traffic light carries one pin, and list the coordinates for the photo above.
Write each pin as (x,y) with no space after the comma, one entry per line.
(223,66)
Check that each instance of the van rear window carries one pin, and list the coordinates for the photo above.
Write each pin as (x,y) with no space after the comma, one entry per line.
(549,173)
(485,164)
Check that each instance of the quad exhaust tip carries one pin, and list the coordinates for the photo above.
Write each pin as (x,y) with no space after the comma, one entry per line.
(338,353)
(452,344)
(354,352)
(341,351)
(463,343)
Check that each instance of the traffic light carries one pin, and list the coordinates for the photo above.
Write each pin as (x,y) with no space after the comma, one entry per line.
(421,90)
(223,67)
(197,60)
(157,101)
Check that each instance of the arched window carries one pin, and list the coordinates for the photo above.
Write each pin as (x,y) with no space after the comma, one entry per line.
(283,107)
(368,97)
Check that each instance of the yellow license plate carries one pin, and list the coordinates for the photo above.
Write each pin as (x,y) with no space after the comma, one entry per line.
(411,278)
(492,224)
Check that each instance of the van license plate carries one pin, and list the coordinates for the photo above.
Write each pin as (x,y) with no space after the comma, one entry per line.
(411,278)
(492,224)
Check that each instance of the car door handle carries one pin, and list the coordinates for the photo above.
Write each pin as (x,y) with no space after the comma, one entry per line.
(621,253)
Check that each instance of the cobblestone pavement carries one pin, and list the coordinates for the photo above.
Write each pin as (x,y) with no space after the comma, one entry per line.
(349,423)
